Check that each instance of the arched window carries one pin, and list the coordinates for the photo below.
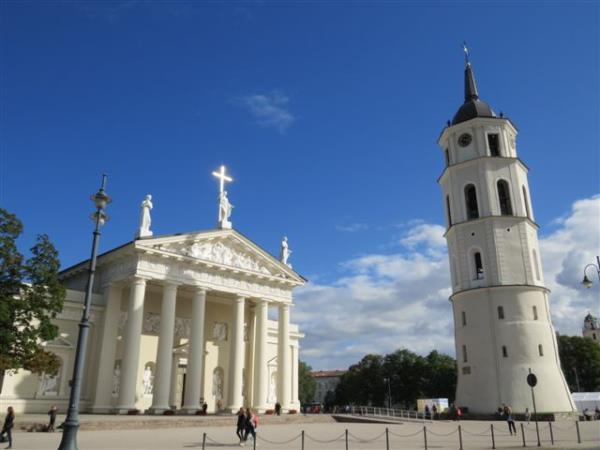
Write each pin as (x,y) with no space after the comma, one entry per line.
(500,312)
(448,211)
(478,266)
(526,202)
(504,198)
(471,202)
(536,265)
(494,144)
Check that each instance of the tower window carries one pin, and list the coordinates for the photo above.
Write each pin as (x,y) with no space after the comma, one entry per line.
(526,203)
(448,211)
(478,266)
(464,352)
(500,312)
(494,144)
(464,318)
(447,154)
(535,314)
(504,198)
(504,351)
(541,350)
(471,202)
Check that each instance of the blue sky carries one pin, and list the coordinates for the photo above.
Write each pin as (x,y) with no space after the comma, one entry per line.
(326,115)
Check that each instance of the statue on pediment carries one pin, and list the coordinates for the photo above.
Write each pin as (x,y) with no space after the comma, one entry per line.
(285,251)
(145,220)
(225,208)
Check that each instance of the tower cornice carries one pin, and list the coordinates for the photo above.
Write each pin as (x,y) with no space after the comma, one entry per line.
(533,287)
(490,218)
(459,127)
(474,161)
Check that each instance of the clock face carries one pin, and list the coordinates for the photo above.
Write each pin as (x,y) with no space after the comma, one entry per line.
(464,139)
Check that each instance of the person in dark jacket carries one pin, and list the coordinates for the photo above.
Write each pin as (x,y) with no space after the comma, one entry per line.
(52,415)
(251,424)
(9,422)
(241,425)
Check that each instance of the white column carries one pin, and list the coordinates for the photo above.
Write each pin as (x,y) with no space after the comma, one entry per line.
(164,354)
(236,355)
(193,378)
(260,362)
(131,354)
(104,383)
(295,399)
(284,358)
(173,389)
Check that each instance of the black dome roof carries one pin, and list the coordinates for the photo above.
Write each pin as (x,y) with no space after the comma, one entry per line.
(473,106)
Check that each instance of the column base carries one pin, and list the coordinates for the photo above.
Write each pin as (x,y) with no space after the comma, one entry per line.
(189,411)
(124,409)
(157,410)
(98,409)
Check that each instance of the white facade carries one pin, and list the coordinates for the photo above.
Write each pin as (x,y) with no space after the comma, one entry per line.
(177,320)
(500,303)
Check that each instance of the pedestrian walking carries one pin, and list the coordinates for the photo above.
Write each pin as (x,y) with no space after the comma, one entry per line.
(507,410)
(527,415)
(434,411)
(52,415)
(9,422)
(241,425)
(251,425)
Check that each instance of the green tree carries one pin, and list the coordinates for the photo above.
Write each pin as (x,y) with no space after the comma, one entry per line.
(580,361)
(306,383)
(30,297)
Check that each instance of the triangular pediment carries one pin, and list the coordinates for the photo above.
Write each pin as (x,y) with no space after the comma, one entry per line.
(225,248)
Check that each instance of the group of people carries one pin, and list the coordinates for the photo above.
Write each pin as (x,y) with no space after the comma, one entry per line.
(9,423)
(247,423)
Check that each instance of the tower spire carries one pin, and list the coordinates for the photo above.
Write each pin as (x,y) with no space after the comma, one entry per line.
(470,85)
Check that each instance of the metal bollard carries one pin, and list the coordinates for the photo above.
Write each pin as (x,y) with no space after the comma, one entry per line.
(578,434)
(523,434)
(460,438)
(346,438)
(302,439)
(425,436)
(203,441)
(387,439)
(551,433)
(493,440)
(254,443)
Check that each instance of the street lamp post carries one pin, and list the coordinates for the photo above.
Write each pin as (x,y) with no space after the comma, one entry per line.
(71,425)
(388,382)
(586,281)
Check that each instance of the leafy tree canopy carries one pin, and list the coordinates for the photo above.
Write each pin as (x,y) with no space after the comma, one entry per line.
(411,377)
(580,361)
(30,297)
(306,383)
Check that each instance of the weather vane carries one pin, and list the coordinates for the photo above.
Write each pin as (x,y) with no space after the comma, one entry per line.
(466,50)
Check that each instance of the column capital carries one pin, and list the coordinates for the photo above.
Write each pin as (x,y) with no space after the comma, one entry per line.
(170,284)
(137,279)
(198,289)
(239,298)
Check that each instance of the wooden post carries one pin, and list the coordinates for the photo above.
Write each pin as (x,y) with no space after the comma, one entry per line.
(551,433)
(387,438)
(460,438)
(493,440)
(203,441)
(578,434)
(346,438)
(425,436)
(523,434)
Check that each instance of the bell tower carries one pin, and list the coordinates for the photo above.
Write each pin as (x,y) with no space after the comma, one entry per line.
(500,304)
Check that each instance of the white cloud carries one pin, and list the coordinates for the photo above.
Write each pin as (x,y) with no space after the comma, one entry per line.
(382,302)
(269,110)
(352,227)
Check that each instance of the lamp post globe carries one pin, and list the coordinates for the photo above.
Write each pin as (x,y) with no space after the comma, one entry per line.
(586,282)
(71,424)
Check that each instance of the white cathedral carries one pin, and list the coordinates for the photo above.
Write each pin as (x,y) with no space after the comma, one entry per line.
(502,320)
(177,321)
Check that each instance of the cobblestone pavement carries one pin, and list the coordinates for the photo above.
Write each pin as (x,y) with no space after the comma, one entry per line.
(330,436)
